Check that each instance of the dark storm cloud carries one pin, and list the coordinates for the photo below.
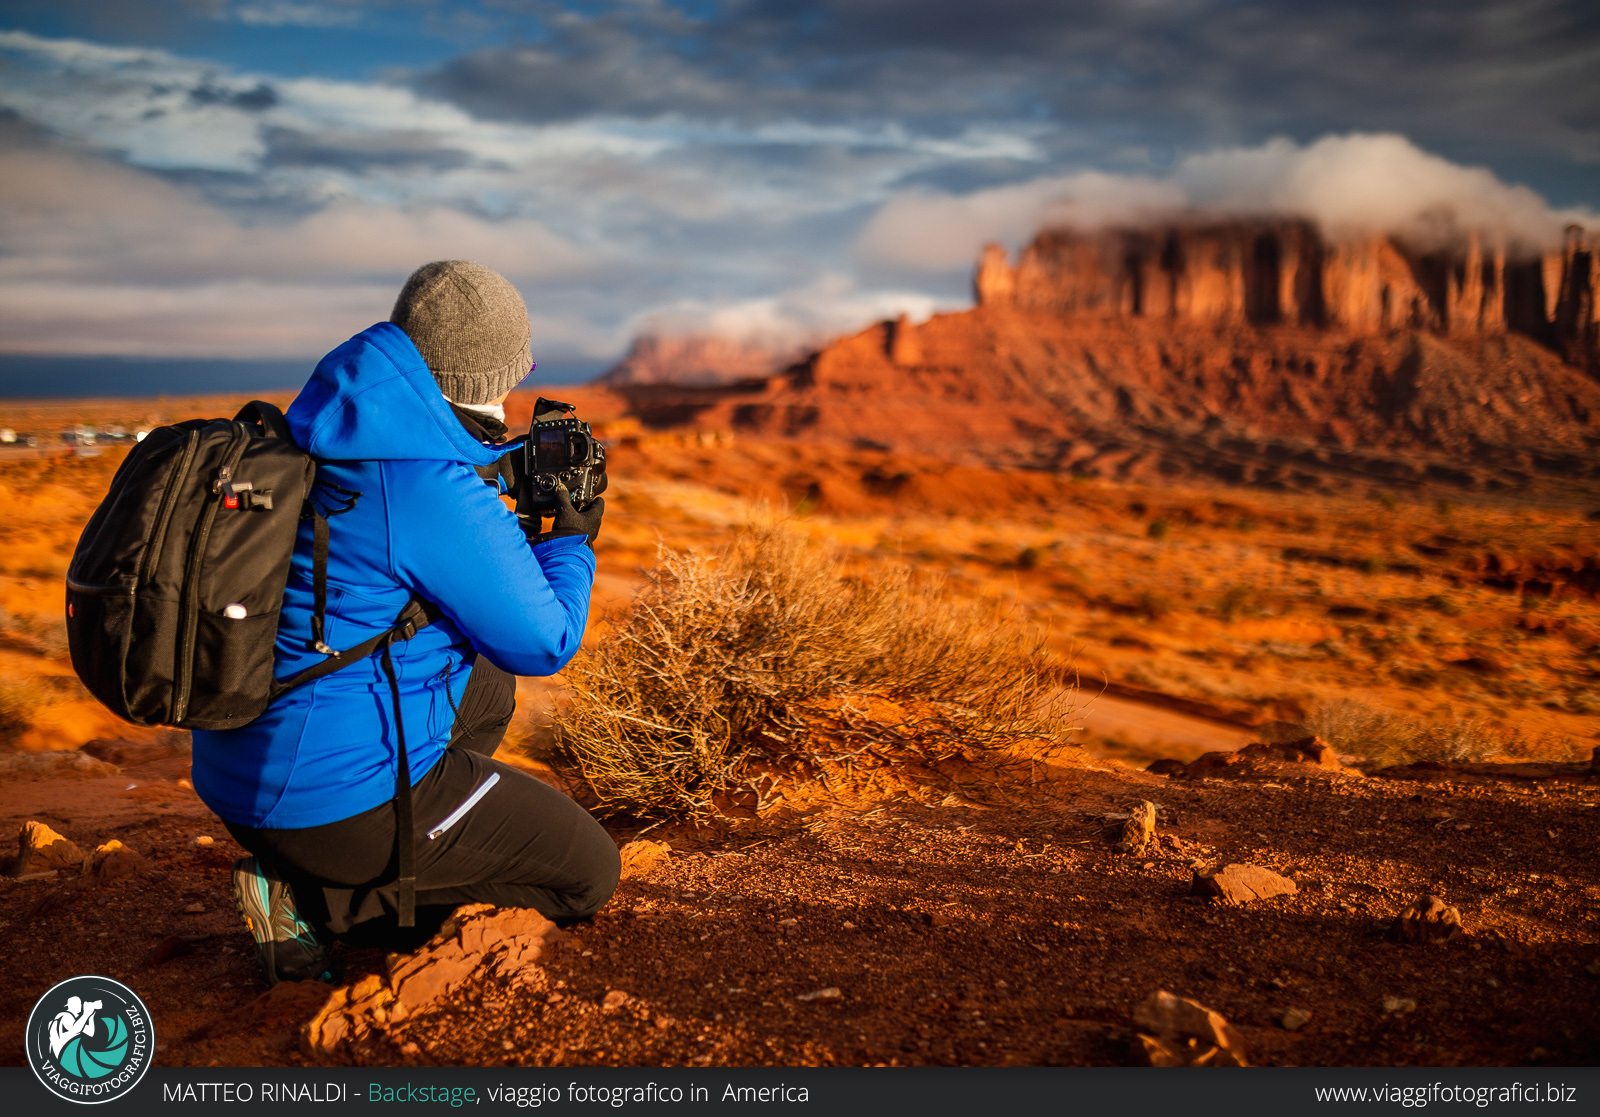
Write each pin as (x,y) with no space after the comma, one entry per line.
(649,60)
(358,153)
(257,98)
(1190,73)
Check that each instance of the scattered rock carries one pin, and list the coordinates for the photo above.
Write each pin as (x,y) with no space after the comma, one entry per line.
(641,855)
(1239,884)
(1429,919)
(194,909)
(1303,750)
(1398,1006)
(283,1008)
(1139,829)
(1166,766)
(1151,1052)
(114,860)
(831,993)
(935,919)
(40,849)
(1593,968)
(124,753)
(614,999)
(204,840)
(478,940)
(1440,771)
(174,946)
(1178,1032)
(1272,759)
(1294,1019)
(61,762)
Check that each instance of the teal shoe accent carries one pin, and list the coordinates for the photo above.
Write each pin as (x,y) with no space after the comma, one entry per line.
(287,947)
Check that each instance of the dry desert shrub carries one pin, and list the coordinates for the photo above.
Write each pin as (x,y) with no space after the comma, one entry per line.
(1388,738)
(711,667)
(32,633)
(19,700)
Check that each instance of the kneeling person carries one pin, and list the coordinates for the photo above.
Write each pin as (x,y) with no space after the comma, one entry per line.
(404,421)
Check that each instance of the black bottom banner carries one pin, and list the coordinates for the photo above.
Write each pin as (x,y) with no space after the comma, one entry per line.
(832,1090)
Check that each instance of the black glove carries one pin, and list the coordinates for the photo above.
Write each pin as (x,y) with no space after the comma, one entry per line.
(568,520)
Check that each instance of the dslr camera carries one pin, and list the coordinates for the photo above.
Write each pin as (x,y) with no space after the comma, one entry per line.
(560,451)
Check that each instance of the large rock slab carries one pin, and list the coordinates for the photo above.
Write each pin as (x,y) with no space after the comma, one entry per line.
(1240,884)
(1306,756)
(40,849)
(1139,828)
(112,860)
(477,941)
(1179,1032)
(1429,919)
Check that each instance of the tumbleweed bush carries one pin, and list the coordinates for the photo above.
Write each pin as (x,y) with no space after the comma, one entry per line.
(712,666)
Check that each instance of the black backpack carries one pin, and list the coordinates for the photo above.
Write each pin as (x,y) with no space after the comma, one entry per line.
(174,591)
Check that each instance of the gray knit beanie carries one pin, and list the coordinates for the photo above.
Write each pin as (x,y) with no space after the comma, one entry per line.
(470,325)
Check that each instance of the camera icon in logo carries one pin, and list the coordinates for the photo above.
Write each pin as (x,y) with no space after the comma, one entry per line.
(90,1039)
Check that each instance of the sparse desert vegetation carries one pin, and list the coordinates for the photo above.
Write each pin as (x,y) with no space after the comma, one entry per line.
(708,678)
(818,684)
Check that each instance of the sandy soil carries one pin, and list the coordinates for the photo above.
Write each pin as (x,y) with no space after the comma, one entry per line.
(966,915)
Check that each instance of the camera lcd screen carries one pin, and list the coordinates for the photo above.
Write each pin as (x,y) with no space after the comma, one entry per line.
(551,452)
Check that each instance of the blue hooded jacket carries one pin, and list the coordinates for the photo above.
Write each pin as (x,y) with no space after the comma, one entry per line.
(425,524)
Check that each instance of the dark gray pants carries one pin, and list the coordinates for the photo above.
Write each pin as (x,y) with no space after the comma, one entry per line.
(523,844)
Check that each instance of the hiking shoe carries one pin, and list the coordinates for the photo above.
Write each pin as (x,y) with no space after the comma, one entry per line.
(287,947)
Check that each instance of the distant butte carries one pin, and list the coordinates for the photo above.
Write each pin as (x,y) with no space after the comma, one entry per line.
(697,361)
(1253,352)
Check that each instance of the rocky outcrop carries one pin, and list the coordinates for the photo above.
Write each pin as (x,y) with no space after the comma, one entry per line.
(1249,352)
(40,849)
(1240,884)
(478,941)
(1267,272)
(1429,919)
(697,360)
(1178,1032)
(1571,285)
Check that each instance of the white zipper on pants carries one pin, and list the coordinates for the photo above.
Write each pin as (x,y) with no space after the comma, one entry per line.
(467,804)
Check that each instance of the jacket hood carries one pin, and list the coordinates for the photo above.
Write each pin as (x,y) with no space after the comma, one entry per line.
(373,399)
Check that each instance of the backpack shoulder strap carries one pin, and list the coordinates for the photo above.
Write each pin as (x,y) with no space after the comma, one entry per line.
(271,420)
(417,615)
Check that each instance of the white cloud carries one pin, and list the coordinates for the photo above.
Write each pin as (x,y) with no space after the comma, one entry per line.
(802,315)
(933,232)
(1349,185)
(318,196)
(279,13)
(101,258)
(66,216)
(232,319)
(1360,183)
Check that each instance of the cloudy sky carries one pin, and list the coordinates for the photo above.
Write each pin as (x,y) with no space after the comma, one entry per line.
(255,178)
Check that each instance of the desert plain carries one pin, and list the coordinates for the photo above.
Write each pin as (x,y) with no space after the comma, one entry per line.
(1353,652)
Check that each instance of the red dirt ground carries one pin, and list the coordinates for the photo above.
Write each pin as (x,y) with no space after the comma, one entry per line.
(968,915)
